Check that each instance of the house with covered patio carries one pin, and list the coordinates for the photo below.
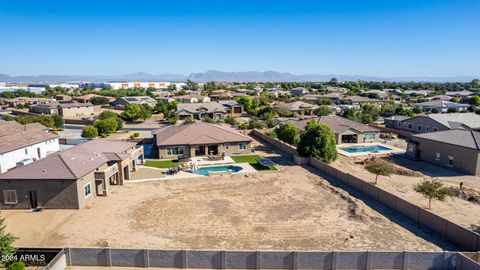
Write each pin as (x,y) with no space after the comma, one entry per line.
(200,139)
(345,130)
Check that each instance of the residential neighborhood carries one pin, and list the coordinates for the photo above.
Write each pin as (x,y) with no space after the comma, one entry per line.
(329,135)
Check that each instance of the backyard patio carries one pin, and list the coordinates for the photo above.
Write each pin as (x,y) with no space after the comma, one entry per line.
(166,169)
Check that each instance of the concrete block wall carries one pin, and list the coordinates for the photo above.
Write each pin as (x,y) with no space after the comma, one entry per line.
(223,259)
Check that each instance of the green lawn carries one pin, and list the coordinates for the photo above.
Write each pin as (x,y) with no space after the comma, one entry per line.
(252,160)
(162,164)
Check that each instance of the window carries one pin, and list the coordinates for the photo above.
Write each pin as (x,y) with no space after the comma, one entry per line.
(437,156)
(226,146)
(10,196)
(26,151)
(427,128)
(419,127)
(410,126)
(87,190)
(410,148)
(399,124)
(369,137)
(450,161)
(242,146)
(434,129)
(175,150)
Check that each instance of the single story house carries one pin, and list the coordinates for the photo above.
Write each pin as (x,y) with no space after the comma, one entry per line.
(66,109)
(88,97)
(232,107)
(198,111)
(75,109)
(63,97)
(298,107)
(298,91)
(140,100)
(24,101)
(192,99)
(456,149)
(345,130)
(23,144)
(68,179)
(200,139)
(461,94)
(434,122)
(441,105)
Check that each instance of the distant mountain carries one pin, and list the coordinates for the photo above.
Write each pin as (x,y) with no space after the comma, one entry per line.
(214,75)
(272,76)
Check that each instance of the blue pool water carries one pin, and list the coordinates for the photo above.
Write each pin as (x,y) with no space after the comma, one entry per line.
(365,149)
(205,170)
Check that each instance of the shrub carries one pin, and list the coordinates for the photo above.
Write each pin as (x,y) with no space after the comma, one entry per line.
(136,134)
(19,265)
(89,132)
(288,133)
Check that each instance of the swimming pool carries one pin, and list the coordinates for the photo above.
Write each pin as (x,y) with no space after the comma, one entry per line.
(365,149)
(205,170)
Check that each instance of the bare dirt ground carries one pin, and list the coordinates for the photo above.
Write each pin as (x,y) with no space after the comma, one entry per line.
(290,209)
(458,210)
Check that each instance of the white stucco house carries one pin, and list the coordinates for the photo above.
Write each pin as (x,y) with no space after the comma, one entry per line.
(23,144)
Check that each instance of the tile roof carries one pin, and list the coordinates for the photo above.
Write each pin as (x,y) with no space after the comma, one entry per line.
(72,163)
(464,138)
(15,136)
(439,103)
(198,133)
(456,120)
(297,106)
(337,124)
(208,107)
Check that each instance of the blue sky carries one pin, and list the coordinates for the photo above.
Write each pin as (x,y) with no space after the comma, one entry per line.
(383,38)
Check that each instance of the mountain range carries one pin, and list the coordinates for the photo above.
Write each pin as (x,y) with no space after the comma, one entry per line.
(214,75)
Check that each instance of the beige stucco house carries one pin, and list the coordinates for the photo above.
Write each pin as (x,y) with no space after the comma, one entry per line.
(70,178)
(345,130)
(200,139)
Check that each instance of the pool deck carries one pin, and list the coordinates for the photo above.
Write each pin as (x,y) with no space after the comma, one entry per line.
(393,150)
(246,168)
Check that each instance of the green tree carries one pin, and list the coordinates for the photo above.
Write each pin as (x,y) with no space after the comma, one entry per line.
(106,127)
(230,120)
(6,243)
(475,100)
(288,133)
(89,132)
(323,111)
(408,113)
(255,123)
(270,119)
(432,189)
(318,141)
(145,113)
(57,121)
(132,112)
(283,112)
(188,120)
(380,167)
(99,101)
(110,114)
(18,265)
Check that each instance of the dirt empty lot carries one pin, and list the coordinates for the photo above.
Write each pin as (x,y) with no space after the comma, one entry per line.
(289,209)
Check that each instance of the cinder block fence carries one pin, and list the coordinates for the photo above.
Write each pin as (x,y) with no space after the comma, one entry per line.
(228,259)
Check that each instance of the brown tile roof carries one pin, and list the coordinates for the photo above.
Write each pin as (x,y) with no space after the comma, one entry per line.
(198,133)
(197,107)
(14,135)
(73,163)
(297,106)
(337,124)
